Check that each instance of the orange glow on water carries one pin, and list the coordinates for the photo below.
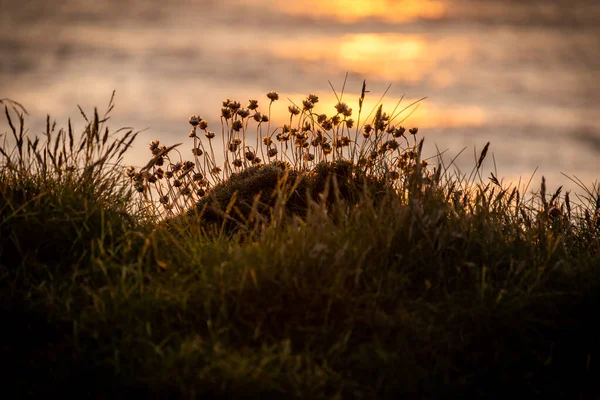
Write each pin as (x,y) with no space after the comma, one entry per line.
(410,58)
(354,10)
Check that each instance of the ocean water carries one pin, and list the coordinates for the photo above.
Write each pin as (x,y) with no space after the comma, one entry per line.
(523,75)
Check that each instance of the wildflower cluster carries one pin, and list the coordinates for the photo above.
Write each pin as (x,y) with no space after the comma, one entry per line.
(379,147)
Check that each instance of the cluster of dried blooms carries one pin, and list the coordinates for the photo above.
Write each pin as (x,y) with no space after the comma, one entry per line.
(379,147)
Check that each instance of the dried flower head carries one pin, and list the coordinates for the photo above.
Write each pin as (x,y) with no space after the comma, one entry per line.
(257,116)
(130,172)
(177,183)
(215,170)
(307,104)
(226,112)
(321,118)
(194,120)
(294,110)
(342,108)
(272,152)
(192,133)
(154,146)
(313,98)
(399,132)
(232,147)
(243,113)
(249,155)
(200,192)
(273,95)
(234,105)
(237,125)
(197,151)
(267,141)
(203,125)
(265,118)
(237,163)
(252,104)
(209,134)
(349,123)
(413,131)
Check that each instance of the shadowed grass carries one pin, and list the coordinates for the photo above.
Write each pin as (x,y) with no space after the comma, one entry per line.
(442,286)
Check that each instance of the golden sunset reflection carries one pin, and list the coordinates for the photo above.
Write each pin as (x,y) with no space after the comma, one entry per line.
(354,10)
(410,58)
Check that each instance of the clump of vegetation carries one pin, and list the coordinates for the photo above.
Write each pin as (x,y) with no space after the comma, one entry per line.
(310,150)
(359,272)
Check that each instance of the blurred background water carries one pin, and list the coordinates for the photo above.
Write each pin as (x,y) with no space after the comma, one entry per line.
(524,75)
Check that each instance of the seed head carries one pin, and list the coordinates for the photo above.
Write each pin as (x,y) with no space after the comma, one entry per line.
(267,141)
(327,124)
(215,170)
(257,116)
(192,133)
(307,104)
(197,151)
(309,157)
(237,125)
(399,132)
(226,112)
(294,110)
(413,131)
(200,192)
(159,173)
(232,147)
(313,98)
(130,172)
(169,174)
(252,104)
(321,118)
(234,105)
(249,156)
(203,125)
(198,177)
(194,120)
(243,112)
(209,134)
(177,183)
(273,95)
(164,199)
(349,123)
(265,118)
(154,146)
(237,163)
(272,152)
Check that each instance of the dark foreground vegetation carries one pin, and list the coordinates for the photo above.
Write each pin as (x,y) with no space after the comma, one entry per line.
(362,270)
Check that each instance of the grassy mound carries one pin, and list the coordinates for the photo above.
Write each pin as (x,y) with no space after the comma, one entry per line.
(420,284)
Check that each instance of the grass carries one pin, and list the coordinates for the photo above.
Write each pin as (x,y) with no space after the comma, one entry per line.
(360,270)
